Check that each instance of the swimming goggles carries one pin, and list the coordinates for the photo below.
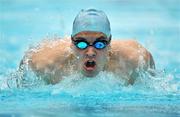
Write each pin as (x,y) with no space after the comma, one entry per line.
(83,44)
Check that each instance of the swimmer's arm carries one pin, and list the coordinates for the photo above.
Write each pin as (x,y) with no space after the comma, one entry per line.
(40,66)
(148,65)
(140,54)
(47,62)
(130,53)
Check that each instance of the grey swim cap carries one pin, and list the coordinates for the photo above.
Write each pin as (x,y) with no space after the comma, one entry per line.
(91,20)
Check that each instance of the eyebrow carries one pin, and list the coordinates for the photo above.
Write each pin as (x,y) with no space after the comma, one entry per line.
(101,38)
(80,39)
(83,38)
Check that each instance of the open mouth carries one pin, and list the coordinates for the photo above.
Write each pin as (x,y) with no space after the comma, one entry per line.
(90,65)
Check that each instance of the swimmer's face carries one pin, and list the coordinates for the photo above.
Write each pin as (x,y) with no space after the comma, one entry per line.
(91,49)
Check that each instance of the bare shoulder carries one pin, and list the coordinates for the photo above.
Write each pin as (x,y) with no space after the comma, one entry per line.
(132,52)
(117,44)
(49,54)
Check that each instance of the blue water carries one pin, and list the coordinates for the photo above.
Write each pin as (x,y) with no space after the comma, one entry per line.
(155,24)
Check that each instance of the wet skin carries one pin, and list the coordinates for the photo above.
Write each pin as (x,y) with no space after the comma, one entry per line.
(57,58)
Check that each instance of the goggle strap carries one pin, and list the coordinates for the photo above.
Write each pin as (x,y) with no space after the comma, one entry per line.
(72,39)
(109,39)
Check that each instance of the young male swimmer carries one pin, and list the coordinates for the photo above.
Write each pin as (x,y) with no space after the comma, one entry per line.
(92,52)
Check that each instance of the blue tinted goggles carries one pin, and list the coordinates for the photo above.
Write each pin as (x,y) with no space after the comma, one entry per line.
(83,44)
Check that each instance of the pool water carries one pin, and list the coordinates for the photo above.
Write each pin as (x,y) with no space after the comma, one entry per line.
(155,24)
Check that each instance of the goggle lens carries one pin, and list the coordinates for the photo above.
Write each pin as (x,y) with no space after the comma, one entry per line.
(82,45)
(99,45)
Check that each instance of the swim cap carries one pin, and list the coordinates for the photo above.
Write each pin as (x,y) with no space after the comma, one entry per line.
(91,20)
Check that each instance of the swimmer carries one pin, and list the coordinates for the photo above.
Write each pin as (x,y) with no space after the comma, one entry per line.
(89,51)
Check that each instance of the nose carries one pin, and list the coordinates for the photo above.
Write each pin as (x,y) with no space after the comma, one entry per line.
(91,52)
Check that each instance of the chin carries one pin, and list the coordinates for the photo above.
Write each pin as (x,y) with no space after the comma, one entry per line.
(89,73)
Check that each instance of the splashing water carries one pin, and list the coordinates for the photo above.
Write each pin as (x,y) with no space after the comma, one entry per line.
(105,93)
(23,94)
(76,94)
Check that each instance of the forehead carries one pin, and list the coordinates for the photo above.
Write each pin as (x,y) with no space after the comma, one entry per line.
(90,34)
